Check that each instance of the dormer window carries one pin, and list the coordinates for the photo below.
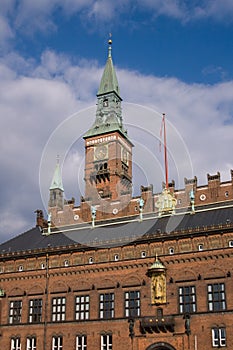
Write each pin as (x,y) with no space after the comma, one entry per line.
(105,103)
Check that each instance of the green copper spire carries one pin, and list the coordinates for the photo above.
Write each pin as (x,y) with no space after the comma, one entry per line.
(109,81)
(108,113)
(57,180)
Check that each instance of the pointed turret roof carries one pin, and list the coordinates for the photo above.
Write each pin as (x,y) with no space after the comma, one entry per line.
(109,81)
(57,179)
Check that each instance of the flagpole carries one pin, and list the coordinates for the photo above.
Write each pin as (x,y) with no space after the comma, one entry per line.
(165,152)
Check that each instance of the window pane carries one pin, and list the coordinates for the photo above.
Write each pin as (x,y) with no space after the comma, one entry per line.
(35,310)
(132,304)
(58,309)
(216,297)
(106,305)
(187,299)
(15,311)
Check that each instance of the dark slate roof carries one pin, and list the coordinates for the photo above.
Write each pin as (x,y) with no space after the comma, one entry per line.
(123,231)
(33,239)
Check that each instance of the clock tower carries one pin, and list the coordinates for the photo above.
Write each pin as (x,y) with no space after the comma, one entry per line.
(108,150)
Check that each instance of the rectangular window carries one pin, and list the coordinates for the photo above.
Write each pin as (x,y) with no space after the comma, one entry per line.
(31,343)
(187,299)
(106,342)
(15,344)
(132,304)
(82,307)
(81,342)
(216,297)
(58,309)
(15,311)
(35,310)
(107,305)
(57,343)
(218,337)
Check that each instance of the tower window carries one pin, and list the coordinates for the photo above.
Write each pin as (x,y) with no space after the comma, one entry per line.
(105,103)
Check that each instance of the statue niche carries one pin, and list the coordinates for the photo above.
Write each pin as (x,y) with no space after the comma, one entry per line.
(157,273)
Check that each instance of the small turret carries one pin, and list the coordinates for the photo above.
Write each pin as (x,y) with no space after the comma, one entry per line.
(56,190)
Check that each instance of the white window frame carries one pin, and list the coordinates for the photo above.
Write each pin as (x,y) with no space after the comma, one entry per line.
(106,342)
(58,309)
(57,343)
(15,343)
(15,317)
(190,296)
(219,337)
(143,254)
(82,307)
(171,250)
(81,342)
(116,257)
(31,343)
(132,303)
(212,302)
(107,306)
(35,305)
(200,247)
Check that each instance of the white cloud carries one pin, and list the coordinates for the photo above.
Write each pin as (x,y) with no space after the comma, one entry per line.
(31,16)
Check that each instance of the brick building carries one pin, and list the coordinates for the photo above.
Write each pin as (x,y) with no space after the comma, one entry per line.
(117,272)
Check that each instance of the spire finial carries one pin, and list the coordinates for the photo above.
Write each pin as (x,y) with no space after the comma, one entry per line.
(110,45)
(58,158)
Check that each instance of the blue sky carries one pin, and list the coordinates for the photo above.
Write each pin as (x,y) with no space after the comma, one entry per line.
(172,56)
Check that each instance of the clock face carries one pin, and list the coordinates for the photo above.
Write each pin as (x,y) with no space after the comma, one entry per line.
(101,152)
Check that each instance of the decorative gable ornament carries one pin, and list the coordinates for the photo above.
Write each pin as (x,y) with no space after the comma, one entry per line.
(166,202)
